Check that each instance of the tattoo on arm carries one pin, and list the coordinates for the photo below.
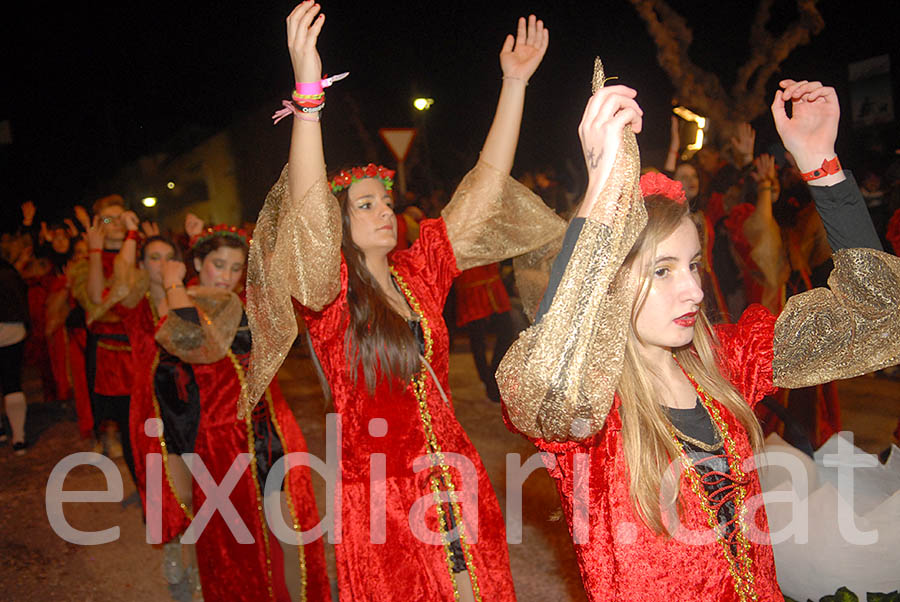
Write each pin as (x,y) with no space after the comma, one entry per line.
(594,160)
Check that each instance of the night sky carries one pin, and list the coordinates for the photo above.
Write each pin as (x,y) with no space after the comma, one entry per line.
(91,87)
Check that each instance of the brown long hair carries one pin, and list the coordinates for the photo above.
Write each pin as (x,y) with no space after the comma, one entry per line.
(378,340)
(647,440)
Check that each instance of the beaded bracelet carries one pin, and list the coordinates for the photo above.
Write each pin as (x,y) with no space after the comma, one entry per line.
(133,235)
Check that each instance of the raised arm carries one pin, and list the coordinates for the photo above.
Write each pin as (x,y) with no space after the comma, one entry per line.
(306,161)
(558,379)
(296,250)
(491,216)
(519,59)
(809,134)
(853,326)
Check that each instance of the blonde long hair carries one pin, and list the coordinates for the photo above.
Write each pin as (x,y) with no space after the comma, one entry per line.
(647,439)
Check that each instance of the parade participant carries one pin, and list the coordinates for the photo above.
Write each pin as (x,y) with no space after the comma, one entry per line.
(108,354)
(375,322)
(191,377)
(13,330)
(645,408)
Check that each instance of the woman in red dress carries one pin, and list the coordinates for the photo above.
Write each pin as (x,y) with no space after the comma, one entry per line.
(192,347)
(644,407)
(411,481)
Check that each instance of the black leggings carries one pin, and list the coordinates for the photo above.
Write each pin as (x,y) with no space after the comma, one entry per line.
(11,358)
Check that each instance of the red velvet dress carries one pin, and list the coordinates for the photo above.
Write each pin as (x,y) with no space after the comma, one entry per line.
(404,567)
(480,293)
(114,368)
(622,559)
(229,571)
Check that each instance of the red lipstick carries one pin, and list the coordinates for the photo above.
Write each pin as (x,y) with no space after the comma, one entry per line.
(687,320)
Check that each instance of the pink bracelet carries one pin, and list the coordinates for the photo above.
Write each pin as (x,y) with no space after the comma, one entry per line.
(315,88)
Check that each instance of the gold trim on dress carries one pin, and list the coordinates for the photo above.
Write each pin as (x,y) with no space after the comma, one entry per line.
(419,388)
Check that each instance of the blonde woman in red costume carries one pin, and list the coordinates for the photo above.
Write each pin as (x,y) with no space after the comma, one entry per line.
(622,374)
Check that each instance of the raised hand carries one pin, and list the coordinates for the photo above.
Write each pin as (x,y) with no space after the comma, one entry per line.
(811,130)
(83,218)
(607,113)
(303,27)
(193,225)
(28,211)
(150,229)
(520,56)
(70,226)
(95,236)
(45,233)
(130,221)
(765,174)
(743,143)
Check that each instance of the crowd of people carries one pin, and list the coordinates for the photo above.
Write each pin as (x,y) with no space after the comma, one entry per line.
(668,308)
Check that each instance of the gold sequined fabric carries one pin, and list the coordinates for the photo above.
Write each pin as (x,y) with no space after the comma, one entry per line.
(850,328)
(532,274)
(127,285)
(209,341)
(558,380)
(296,252)
(492,217)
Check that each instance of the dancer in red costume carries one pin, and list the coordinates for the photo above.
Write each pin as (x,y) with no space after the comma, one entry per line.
(107,354)
(623,374)
(376,326)
(190,377)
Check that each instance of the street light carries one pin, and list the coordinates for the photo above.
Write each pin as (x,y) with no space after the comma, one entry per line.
(423,104)
(170,185)
(149,201)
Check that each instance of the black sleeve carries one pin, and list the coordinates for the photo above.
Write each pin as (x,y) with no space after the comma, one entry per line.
(188,314)
(559,265)
(844,213)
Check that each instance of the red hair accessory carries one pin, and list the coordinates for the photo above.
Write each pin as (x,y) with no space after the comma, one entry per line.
(220,230)
(657,183)
(346,178)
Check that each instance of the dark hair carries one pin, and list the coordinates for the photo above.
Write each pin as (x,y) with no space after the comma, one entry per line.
(216,242)
(377,339)
(159,238)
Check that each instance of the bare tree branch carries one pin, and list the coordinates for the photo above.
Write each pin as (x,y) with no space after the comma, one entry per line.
(747,98)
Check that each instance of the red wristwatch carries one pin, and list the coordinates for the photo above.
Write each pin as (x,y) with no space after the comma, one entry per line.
(829,167)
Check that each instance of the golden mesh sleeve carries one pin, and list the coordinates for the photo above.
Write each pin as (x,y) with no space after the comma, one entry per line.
(558,380)
(848,329)
(532,273)
(126,286)
(296,252)
(492,217)
(208,341)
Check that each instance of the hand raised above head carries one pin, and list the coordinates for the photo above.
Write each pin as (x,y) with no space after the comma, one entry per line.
(810,132)
(82,216)
(520,56)
(607,113)
(150,229)
(303,27)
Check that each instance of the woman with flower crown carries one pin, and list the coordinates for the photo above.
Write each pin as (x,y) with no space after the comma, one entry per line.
(644,408)
(419,516)
(190,347)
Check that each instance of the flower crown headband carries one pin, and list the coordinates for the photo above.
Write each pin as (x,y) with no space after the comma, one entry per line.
(220,230)
(355,174)
(658,183)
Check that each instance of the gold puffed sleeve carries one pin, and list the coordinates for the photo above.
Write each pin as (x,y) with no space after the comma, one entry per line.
(296,252)
(492,217)
(208,341)
(848,329)
(558,380)
(127,286)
